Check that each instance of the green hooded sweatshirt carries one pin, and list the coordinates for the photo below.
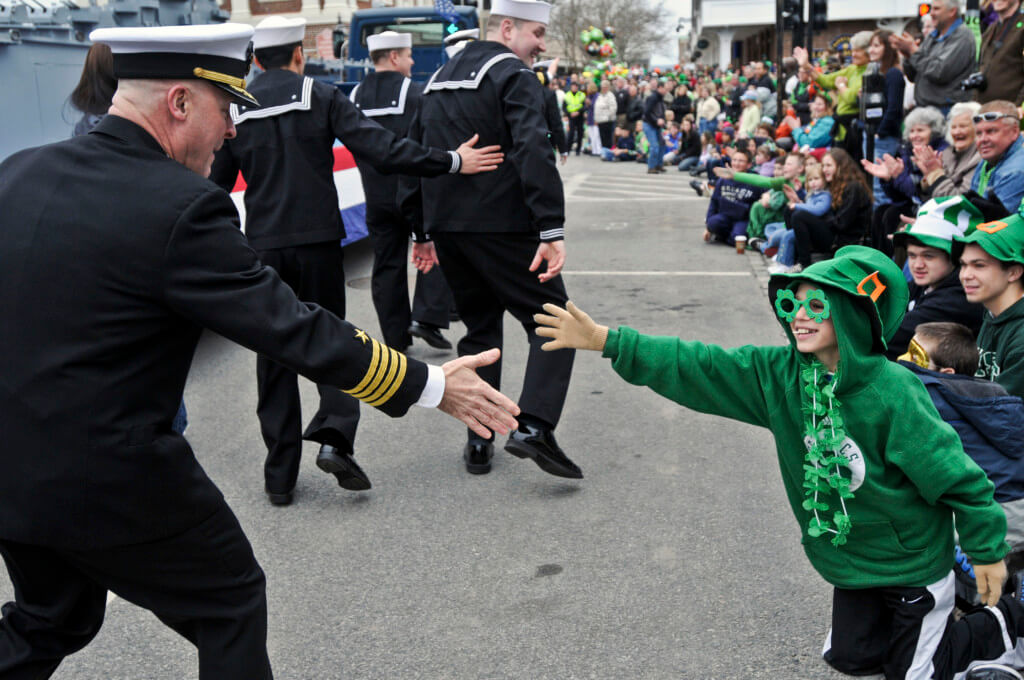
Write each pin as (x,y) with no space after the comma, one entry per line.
(908,472)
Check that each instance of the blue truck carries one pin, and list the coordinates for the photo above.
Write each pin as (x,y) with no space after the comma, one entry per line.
(428,29)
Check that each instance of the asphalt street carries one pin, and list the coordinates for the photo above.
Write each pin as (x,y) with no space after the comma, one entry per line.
(675,557)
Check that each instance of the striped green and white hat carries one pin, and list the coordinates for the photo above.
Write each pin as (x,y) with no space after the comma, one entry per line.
(939,221)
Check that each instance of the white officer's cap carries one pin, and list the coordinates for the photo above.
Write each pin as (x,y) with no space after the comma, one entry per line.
(388,40)
(218,53)
(279,31)
(527,10)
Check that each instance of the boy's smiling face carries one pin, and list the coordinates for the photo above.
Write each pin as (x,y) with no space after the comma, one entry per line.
(814,337)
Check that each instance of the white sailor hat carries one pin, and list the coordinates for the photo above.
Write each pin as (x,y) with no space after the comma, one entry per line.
(464,34)
(542,65)
(278,31)
(388,40)
(218,53)
(527,10)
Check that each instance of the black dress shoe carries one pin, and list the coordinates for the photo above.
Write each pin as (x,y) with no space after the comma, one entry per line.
(478,457)
(530,441)
(429,334)
(280,498)
(343,466)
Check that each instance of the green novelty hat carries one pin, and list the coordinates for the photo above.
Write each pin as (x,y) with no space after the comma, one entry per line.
(869,277)
(1002,239)
(939,221)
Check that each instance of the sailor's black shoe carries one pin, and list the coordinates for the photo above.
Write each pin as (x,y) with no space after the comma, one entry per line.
(530,441)
(429,334)
(344,467)
(478,457)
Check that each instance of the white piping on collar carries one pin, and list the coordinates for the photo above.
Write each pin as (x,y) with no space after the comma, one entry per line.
(270,111)
(471,84)
(396,110)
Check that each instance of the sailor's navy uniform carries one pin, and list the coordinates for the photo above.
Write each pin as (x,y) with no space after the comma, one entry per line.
(391,99)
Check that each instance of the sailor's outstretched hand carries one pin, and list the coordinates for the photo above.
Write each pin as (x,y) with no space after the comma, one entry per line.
(570,327)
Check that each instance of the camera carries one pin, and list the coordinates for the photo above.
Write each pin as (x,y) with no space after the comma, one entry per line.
(975,81)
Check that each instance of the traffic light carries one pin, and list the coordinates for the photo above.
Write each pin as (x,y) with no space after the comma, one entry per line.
(819,15)
(924,8)
(792,14)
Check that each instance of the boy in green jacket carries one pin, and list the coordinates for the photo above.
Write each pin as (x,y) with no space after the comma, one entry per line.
(873,475)
(992,273)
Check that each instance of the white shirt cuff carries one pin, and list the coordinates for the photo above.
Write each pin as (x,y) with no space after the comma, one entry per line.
(434,389)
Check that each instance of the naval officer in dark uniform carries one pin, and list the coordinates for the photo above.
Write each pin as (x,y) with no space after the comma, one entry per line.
(499,237)
(388,96)
(284,151)
(97,491)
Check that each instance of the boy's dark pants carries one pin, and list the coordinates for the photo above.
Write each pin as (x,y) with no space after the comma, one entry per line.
(891,630)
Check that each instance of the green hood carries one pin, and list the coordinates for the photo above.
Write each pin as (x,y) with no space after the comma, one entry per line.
(1002,239)
(863,325)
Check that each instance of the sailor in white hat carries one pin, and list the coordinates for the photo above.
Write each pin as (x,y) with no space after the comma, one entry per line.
(500,242)
(117,252)
(284,150)
(389,96)
(459,39)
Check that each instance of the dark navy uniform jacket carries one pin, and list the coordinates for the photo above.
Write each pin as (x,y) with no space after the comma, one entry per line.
(284,150)
(114,258)
(487,89)
(391,100)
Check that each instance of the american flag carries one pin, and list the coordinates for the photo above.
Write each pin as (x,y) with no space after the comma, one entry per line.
(447,10)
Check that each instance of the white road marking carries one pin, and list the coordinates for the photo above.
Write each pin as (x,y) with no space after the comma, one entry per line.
(598,272)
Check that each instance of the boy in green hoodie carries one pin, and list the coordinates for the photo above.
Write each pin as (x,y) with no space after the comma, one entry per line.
(992,272)
(873,475)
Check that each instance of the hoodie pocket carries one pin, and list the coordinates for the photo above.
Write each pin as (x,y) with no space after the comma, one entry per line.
(868,541)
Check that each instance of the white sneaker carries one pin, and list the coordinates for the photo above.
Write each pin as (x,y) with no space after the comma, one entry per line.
(783,269)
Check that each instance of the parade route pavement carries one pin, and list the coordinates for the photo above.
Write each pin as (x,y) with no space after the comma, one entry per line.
(676,556)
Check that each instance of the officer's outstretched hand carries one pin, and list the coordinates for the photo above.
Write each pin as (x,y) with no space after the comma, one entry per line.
(552,252)
(989,578)
(484,159)
(570,327)
(468,398)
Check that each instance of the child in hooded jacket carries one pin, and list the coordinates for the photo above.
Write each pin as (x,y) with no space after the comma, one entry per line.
(872,474)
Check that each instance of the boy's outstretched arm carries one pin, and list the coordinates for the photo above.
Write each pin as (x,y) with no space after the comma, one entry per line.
(570,328)
(706,378)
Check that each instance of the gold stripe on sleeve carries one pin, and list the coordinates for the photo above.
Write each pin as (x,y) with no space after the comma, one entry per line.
(374,362)
(383,367)
(384,384)
(395,384)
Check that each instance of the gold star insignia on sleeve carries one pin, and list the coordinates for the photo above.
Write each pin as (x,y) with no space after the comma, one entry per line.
(361,334)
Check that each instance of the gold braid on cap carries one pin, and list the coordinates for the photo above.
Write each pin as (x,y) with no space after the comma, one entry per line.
(219,77)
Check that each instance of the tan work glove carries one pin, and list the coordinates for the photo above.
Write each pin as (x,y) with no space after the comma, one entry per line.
(990,578)
(570,327)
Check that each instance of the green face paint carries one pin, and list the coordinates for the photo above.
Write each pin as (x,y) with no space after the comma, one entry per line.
(815,304)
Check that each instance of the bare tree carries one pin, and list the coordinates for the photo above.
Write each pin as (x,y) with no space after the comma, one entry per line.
(641,26)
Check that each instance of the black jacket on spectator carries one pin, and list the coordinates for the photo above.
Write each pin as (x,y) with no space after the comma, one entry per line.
(689,145)
(891,124)
(853,216)
(681,106)
(946,302)
(763,81)
(622,100)
(654,109)
(801,101)
(634,110)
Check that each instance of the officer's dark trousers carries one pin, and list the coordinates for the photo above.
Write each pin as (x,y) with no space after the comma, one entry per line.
(316,273)
(489,275)
(432,299)
(204,583)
